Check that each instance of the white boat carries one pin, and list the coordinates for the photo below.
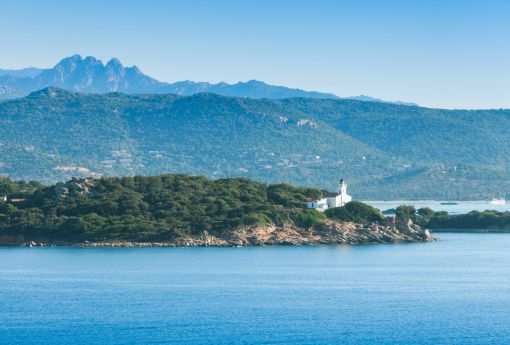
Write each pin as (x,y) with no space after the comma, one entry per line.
(497,201)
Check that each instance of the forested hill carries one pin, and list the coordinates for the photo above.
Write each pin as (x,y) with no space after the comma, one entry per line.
(159,208)
(179,210)
(383,150)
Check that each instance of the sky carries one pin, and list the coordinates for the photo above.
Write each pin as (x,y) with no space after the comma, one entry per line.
(447,54)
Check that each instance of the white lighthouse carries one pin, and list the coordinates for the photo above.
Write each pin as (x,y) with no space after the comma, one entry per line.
(331,199)
(341,198)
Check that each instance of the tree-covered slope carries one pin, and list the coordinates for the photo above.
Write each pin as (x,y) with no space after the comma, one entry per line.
(478,137)
(159,208)
(383,150)
(202,134)
(179,210)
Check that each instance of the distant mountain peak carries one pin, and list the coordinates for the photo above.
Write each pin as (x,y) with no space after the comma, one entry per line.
(114,62)
(69,61)
(78,60)
(253,82)
(75,57)
(91,75)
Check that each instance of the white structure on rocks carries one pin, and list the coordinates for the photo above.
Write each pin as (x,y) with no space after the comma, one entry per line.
(331,199)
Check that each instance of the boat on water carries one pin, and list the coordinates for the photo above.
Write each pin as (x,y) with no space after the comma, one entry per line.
(497,201)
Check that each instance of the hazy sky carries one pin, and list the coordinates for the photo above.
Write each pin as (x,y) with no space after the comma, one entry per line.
(452,54)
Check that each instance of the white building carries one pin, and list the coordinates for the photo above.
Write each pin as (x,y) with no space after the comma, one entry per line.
(318,204)
(332,199)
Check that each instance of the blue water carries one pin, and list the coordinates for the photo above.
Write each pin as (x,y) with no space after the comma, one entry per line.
(456,291)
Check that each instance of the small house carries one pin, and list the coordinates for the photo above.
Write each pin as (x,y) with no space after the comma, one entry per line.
(320,204)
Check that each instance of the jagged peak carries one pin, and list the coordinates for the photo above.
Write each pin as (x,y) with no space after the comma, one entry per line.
(92,75)
(89,60)
(92,59)
(114,62)
(74,57)
(70,59)
(136,69)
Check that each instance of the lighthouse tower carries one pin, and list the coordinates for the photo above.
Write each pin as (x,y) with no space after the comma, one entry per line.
(339,199)
(342,187)
(342,198)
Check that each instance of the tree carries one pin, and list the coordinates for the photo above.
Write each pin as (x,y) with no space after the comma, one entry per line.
(356,212)
(426,212)
(405,212)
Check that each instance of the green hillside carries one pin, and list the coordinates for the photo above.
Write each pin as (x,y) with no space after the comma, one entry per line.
(159,208)
(383,150)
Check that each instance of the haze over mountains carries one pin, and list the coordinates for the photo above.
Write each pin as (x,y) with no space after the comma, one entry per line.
(384,150)
(90,75)
(28,72)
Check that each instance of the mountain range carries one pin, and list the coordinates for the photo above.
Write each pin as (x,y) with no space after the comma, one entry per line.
(90,75)
(384,151)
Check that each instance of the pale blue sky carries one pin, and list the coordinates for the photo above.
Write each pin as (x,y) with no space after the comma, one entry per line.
(452,54)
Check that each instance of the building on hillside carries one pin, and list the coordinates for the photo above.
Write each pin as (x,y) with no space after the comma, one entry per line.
(331,199)
(320,204)
(3,198)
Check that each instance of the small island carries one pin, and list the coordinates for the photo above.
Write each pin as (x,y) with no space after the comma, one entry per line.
(180,210)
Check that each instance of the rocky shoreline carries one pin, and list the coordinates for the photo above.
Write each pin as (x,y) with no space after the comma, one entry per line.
(331,232)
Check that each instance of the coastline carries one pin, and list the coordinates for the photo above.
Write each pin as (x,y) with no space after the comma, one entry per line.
(331,232)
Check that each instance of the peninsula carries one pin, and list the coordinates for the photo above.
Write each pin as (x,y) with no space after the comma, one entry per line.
(180,210)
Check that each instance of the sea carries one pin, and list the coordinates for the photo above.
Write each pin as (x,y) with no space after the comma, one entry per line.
(453,291)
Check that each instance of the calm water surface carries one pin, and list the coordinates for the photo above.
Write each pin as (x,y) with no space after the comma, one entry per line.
(456,291)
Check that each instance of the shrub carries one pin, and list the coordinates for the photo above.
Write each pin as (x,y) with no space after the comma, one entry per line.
(405,212)
(356,212)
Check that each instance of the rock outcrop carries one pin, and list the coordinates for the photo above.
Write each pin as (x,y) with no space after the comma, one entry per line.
(331,232)
(73,187)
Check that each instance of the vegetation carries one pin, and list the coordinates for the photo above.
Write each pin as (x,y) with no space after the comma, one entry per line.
(382,150)
(17,188)
(423,216)
(356,212)
(474,220)
(162,208)
(153,208)
(49,135)
(405,212)
(486,220)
